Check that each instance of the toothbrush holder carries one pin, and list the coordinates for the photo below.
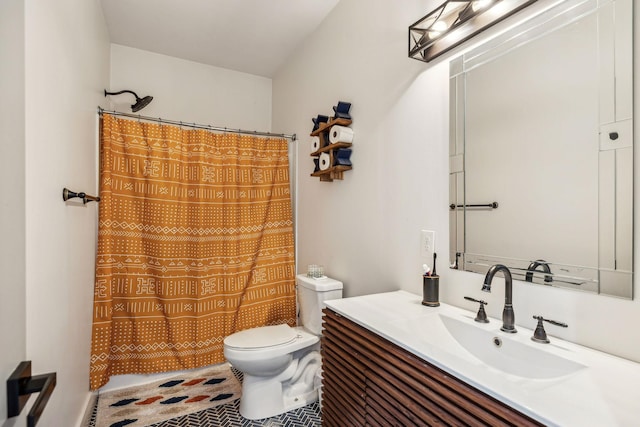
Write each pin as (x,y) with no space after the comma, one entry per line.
(431,291)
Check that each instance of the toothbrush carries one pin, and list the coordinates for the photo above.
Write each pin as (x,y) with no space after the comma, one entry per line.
(434,264)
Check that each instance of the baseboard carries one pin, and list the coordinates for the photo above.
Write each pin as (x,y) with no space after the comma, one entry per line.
(91,403)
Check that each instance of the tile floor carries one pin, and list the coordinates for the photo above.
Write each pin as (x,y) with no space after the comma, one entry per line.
(228,416)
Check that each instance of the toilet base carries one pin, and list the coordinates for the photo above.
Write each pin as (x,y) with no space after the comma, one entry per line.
(294,388)
(264,398)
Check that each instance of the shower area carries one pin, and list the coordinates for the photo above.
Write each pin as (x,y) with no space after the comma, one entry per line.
(195,240)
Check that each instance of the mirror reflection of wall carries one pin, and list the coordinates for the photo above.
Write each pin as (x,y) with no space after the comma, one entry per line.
(541,124)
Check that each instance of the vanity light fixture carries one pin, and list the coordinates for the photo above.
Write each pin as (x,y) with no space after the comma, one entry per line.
(454,22)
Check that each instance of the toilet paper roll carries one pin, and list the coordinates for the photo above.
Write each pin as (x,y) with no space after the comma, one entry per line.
(325,161)
(340,134)
(315,143)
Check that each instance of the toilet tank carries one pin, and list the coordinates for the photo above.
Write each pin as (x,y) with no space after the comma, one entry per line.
(312,293)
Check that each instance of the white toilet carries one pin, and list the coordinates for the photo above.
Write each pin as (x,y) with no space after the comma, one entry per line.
(279,362)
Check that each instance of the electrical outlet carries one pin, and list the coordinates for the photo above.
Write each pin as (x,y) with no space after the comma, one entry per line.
(427,242)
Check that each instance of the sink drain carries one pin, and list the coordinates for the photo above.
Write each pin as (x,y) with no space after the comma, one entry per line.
(497,341)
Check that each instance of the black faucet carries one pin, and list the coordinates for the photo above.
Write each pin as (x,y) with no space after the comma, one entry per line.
(534,266)
(508,317)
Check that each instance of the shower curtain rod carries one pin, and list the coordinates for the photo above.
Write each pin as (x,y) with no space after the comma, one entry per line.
(101,110)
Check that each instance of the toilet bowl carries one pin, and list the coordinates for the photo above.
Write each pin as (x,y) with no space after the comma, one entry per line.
(280,363)
(266,351)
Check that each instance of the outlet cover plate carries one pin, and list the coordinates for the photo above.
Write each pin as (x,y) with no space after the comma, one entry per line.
(427,242)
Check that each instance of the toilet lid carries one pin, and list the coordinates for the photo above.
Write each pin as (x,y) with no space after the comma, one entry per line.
(265,336)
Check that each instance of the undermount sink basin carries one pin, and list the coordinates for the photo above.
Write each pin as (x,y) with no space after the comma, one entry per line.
(488,346)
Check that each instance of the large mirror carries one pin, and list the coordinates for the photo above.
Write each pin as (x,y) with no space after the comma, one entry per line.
(541,156)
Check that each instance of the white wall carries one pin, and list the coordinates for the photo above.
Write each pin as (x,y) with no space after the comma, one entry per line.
(359,55)
(190,91)
(66,69)
(12,188)
(365,230)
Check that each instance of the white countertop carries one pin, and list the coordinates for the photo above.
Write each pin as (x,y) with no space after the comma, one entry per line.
(605,393)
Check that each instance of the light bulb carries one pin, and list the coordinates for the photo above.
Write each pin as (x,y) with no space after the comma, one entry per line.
(439,26)
(480,4)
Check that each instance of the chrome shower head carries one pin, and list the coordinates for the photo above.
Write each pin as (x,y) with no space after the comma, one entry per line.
(140,102)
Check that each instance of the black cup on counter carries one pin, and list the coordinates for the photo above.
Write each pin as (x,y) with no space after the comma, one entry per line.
(431,291)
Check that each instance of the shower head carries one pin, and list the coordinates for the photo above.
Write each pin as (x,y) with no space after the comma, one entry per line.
(140,102)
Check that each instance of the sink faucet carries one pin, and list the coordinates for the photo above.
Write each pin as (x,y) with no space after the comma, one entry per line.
(508,317)
(534,266)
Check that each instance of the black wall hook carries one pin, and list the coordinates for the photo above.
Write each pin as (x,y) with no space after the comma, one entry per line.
(68,194)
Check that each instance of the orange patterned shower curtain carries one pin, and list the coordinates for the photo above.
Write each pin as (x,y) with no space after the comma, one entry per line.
(195,242)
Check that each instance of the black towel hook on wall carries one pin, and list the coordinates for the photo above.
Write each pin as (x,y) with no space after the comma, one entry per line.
(68,194)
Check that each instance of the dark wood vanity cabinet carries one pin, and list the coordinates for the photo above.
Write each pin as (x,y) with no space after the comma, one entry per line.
(369,381)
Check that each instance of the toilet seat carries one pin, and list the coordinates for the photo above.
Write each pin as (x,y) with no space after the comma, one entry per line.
(301,339)
(262,337)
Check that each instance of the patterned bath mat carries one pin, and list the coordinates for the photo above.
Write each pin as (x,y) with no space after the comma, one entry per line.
(173,397)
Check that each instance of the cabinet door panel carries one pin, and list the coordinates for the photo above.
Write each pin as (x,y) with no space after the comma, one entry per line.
(352,386)
(344,404)
(424,407)
(343,379)
(400,414)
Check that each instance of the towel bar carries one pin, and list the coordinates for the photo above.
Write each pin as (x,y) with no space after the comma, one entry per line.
(492,205)
(68,194)
(21,385)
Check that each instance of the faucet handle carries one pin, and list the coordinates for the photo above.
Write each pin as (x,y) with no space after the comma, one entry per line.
(481,317)
(476,300)
(540,335)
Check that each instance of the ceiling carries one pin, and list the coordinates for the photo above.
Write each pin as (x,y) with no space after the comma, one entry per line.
(251,36)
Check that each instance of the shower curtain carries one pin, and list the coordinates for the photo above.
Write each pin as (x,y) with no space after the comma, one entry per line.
(195,242)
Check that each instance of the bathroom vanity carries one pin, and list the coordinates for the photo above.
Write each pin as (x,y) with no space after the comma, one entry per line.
(389,360)
(371,381)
